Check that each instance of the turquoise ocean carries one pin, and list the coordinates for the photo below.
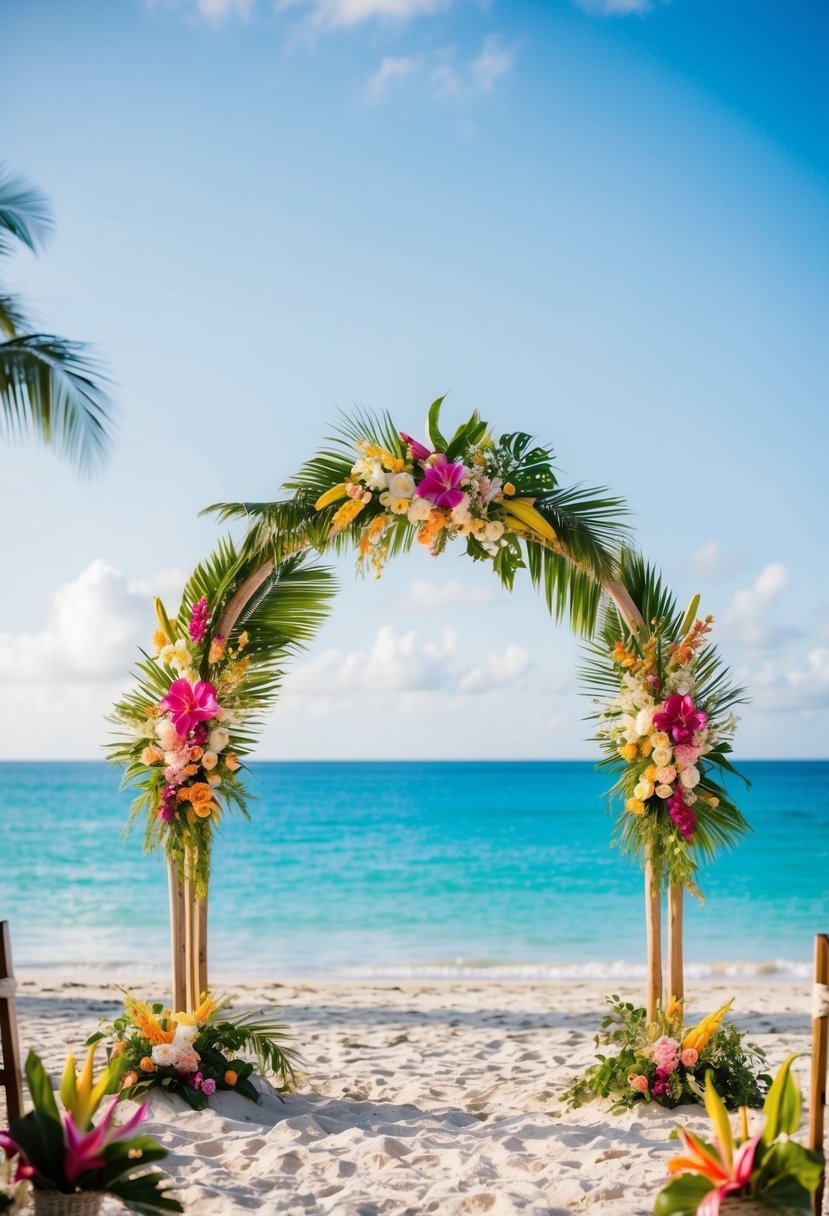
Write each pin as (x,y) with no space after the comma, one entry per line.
(406,870)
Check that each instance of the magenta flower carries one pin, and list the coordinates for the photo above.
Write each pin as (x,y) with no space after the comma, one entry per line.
(198,620)
(189,704)
(208,1086)
(419,452)
(740,1177)
(82,1150)
(440,483)
(680,718)
(682,815)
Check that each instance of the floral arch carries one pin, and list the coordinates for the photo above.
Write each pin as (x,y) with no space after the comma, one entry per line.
(662,701)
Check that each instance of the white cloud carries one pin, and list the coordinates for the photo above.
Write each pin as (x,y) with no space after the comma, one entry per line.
(392,68)
(214,11)
(394,663)
(333,14)
(90,632)
(712,562)
(615,8)
(477,76)
(749,619)
(498,670)
(427,596)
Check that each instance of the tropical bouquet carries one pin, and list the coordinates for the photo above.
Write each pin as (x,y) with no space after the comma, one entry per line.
(195,1054)
(767,1171)
(380,490)
(665,730)
(65,1153)
(666,1061)
(197,705)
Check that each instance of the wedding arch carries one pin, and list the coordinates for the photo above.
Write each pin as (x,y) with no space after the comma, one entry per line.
(663,703)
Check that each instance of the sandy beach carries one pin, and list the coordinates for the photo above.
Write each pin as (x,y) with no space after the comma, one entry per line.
(420,1097)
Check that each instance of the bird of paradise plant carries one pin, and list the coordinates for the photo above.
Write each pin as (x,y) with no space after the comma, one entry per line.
(65,1152)
(767,1168)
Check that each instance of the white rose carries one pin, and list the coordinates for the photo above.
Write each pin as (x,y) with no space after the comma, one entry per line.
(644,720)
(218,739)
(664,791)
(661,756)
(401,485)
(164,1053)
(494,530)
(209,761)
(419,509)
(689,777)
(385,499)
(185,1034)
(460,513)
(643,791)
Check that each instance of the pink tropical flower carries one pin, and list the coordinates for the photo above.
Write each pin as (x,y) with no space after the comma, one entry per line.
(729,1177)
(440,483)
(687,754)
(680,718)
(665,1053)
(189,704)
(419,452)
(83,1150)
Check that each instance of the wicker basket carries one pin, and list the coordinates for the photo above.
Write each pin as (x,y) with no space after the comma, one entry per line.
(54,1203)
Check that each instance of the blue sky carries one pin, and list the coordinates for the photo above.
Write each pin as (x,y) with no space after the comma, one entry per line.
(604,222)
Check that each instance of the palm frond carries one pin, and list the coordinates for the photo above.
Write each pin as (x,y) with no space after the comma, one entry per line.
(268,1043)
(54,389)
(590,523)
(25,214)
(569,591)
(13,319)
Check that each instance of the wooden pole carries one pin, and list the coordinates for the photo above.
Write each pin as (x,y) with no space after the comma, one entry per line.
(676,974)
(201,969)
(178,940)
(191,938)
(11,1077)
(820,1061)
(653,927)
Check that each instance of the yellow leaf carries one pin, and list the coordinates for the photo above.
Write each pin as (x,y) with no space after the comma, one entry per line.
(332,495)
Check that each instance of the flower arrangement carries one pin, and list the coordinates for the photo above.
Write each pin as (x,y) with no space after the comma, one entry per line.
(666,1061)
(767,1171)
(665,731)
(469,486)
(66,1154)
(200,695)
(195,1054)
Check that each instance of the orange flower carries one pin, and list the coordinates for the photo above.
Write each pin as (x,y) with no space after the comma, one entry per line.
(196,752)
(197,793)
(230,1077)
(509,489)
(151,755)
(204,1010)
(232,761)
(118,1047)
(217,649)
(128,1079)
(204,809)
(147,1065)
(629,751)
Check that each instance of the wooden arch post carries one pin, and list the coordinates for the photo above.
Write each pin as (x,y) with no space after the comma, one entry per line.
(188,915)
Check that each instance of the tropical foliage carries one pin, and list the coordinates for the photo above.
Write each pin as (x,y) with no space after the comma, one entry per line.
(65,1151)
(768,1167)
(195,1054)
(666,1061)
(378,490)
(664,714)
(49,386)
(200,696)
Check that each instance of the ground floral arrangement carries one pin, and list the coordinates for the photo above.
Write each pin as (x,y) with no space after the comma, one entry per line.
(196,1054)
(667,1062)
(767,1169)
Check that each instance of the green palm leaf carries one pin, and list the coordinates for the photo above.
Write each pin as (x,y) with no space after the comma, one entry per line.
(53,388)
(25,214)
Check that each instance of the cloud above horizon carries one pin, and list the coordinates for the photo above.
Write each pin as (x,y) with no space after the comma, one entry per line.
(615,8)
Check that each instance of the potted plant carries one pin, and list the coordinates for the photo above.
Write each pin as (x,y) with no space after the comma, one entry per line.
(72,1162)
(747,1175)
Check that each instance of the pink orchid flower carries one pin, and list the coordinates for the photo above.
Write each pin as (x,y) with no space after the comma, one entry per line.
(680,718)
(419,452)
(440,483)
(190,704)
(729,1176)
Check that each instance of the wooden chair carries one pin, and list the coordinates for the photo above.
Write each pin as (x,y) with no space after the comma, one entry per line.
(820,1054)
(10,1075)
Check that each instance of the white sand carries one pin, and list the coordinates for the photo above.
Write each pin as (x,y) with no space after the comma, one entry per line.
(420,1097)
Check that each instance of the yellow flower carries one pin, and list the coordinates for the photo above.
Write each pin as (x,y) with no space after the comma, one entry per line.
(650,773)
(629,752)
(204,1010)
(159,640)
(509,489)
(674,1007)
(204,809)
(400,506)
(705,1030)
(660,739)
(347,513)
(217,649)
(645,747)
(243,641)
(635,806)
(711,799)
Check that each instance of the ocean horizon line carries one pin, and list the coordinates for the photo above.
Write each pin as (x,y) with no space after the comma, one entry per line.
(420,760)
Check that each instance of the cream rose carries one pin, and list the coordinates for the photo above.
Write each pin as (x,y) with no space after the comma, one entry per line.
(209,761)
(218,739)
(661,756)
(494,529)
(401,485)
(664,791)
(644,720)
(643,791)
(660,739)
(689,777)
(419,510)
